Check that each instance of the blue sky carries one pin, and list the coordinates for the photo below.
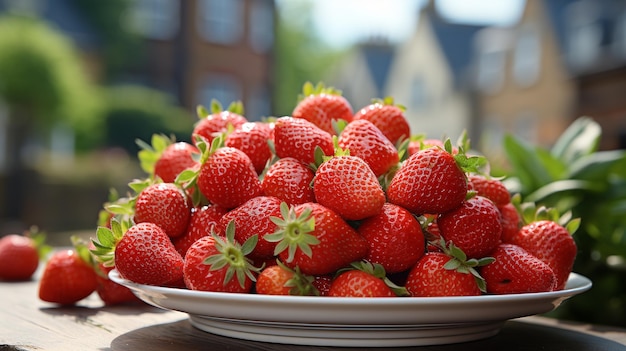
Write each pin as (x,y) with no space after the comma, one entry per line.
(343,22)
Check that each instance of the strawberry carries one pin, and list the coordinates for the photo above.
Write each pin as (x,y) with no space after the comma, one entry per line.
(474,227)
(19,255)
(511,222)
(251,138)
(175,158)
(430,278)
(217,121)
(417,143)
(110,292)
(516,271)
(491,188)
(429,181)
(202,221)
(363,139)
(279,279)
(228,179)
(322,284)
(388,117)
(346,185)
(298,138)
(142,253)
(165,205)
(316,239)
(364,279)
(67,278)
(321,105)
(212,262)
(550,242)
(395,238)
(289,180)
(253,217)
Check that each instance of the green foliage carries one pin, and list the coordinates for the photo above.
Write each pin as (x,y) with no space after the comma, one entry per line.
(41,79)
(136,112)
(574,176)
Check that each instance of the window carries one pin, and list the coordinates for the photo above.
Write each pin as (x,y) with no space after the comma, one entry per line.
(261,26)
(491,70)
(224,88)
(527,56)
(221,21)
(419,94)
(155,19)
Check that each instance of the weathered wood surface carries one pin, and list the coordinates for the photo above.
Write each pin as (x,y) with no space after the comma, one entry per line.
(26,323)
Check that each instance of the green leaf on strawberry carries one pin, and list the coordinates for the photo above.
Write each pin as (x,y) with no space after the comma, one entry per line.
(459,262)
(293,232)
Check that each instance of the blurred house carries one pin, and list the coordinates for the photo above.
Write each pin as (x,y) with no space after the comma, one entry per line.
(196,50)
(563,59)
(427,74)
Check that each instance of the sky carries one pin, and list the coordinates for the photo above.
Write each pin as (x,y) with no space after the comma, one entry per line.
(344,22)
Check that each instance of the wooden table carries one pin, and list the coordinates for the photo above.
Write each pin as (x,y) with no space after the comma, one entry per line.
(26,323)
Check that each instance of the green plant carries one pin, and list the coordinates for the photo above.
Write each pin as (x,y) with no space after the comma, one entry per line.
(574,176)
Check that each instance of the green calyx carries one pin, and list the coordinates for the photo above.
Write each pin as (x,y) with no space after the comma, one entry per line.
(149,154)
(388,101)
(106,240)
(233,256)
(309,89)
(459,262)
(293,232)
(530,213)
(378,271)
(216,107)
(300,284)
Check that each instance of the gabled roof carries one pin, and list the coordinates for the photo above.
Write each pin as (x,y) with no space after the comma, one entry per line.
(378,56)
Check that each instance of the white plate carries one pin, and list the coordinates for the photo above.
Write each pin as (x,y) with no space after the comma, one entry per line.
(353,322)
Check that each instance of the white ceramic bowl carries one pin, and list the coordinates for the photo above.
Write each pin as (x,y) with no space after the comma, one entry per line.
(353,322)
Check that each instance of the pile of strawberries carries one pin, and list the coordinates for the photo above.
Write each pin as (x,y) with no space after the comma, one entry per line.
(327,202)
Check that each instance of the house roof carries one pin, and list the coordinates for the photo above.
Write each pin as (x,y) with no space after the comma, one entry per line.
(378,56)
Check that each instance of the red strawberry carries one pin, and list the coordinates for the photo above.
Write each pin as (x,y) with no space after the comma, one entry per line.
(511,222)
(418,143)
(165,205)
(228,178)
(289,180)
(251,138)
(362,280)
(279,279)
(203,220)
(395,238)
(515,271)
(110,292)
(429,181)
(67,278)
(316,239)
(322,283)
(19,255)
(474,227)
(217,121)
(175,158)
(321,105)
(363,139)
(215,263)
(552,243)
(143,254)
(387,117)
(491,188)
(346,185)
(253,217)
(431,277)
(298,138)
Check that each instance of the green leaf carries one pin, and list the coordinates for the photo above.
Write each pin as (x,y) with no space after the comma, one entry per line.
(527,165)
(579,139)
(599,165)
(561,186)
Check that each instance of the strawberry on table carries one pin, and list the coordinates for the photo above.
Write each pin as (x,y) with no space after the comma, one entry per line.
(110,292)
(364,279)
(388,117)
(20,254)
(321,105)
(67,278)
(395,238)
(217,121)
(289,180)
(347,185)
(363,139)
(475,226)
(298,138)
(315,239)
(215,263)
(516,271)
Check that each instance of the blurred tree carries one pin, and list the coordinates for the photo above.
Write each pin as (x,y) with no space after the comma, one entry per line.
(107,18)
(300,56)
